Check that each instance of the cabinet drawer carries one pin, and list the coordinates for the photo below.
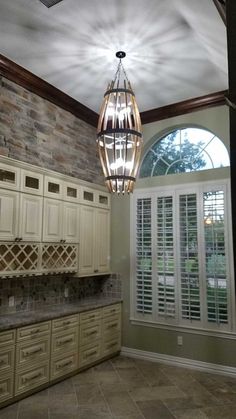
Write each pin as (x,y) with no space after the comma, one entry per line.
(31,378)
(34,331)
(65,322)
(6,387)
(111,310)
(90,316)
(7,338)
(6,359)
(33,352)
(89,354)
(63,365)
(65,341)
(112,345)
(89,333)
(111,325)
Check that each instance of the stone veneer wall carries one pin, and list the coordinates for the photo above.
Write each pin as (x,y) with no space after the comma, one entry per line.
(31,293)
(36,131)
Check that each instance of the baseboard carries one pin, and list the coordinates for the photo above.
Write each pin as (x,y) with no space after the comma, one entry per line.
(178,361)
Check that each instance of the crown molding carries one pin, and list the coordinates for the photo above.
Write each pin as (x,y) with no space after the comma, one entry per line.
(184,107)
(221,7)
(35,84)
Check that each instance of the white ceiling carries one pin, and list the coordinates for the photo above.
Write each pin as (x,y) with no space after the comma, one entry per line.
(176,49)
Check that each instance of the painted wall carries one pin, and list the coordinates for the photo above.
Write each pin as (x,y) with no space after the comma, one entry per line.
(195,346)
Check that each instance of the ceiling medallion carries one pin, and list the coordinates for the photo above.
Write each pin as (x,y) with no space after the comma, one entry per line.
(119,136)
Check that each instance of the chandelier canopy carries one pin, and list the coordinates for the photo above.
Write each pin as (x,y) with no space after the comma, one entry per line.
(119,136)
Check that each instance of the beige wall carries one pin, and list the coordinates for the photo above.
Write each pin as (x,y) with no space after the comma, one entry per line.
(195,346)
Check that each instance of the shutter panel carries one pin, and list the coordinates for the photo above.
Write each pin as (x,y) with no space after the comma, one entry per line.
(165,258)
(216,278)
(189,269)
(143,256)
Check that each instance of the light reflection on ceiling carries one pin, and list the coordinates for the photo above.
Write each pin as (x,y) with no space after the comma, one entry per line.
(176,49)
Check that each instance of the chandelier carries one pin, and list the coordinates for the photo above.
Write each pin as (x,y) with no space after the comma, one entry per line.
(119,136)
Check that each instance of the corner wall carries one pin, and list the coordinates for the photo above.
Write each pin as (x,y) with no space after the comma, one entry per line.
(195,346)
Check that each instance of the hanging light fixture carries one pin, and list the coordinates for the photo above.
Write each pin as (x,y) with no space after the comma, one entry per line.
(119,134)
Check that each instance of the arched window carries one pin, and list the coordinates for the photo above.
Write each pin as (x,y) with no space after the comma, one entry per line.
(184,150)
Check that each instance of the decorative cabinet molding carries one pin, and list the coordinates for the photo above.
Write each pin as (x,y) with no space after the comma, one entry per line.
(45,216)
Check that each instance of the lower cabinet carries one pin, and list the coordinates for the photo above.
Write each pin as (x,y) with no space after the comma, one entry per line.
(32,356)
(7,363)
(35,355)
(64,346)
(90,337)
(111,330)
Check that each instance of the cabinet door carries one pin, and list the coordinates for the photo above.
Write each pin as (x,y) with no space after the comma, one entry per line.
(52,220)
(9,203)
(70,222)
(102,240)
(30,226)
(31,182)
(87,231)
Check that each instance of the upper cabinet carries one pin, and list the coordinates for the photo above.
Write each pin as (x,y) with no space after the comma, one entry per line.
(60,221)
(20,216)
(49,221)
(9,177)
(94,233)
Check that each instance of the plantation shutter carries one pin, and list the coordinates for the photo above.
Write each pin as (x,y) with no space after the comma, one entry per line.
(189,264)
(166,281)
(143,256)
(182,266)
(215,256)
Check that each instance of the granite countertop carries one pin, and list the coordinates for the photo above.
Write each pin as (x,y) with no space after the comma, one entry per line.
(25,318)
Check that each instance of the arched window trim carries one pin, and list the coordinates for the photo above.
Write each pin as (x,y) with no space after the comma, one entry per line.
(164,133)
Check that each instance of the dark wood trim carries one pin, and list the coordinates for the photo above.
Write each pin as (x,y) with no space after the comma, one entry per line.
(221,7)
(184,107)
(231,44)
(35,84)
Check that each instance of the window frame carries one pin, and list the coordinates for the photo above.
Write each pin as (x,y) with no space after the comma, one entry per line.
(177,323)
(165,133)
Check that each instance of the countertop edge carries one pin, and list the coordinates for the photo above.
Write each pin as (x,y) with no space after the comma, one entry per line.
(26,318)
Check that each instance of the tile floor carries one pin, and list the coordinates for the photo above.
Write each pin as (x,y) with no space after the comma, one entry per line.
(125,388)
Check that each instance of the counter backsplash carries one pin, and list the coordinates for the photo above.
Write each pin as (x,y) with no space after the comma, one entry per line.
(35,292)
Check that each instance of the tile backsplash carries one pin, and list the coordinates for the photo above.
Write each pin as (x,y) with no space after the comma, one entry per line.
(18,294)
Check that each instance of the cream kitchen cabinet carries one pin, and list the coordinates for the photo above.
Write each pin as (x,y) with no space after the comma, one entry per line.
(64,346)
(20,216)
(7,364)
(32,356)
(60,221)
(94,240)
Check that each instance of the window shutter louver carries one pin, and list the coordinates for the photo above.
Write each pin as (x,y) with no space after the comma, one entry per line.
(165,258)
(143,256)
(216,278)
(189,270)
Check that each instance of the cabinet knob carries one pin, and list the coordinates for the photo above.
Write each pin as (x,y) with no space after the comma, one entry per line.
(95,270)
